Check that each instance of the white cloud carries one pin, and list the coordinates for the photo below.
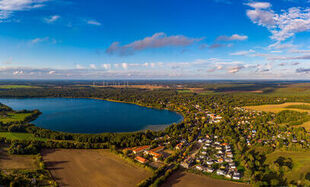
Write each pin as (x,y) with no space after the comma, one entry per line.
(52,19)
(8,7)
(20,72)
(94,22)
(92,66)
(232,37)
(242,53)
(304,57)
(299,51)
(235,69)
(124,65)
(51,72)
(282,26)
(259,5)
(158,40)
(106,66)
(39,40)
(78,66)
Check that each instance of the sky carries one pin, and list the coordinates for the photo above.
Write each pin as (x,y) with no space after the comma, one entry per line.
(155,39)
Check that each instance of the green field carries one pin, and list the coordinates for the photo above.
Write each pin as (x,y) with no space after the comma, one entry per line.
(302,107)
(185,91)
(16,86)
(20,136)
(14,117)
(301,163)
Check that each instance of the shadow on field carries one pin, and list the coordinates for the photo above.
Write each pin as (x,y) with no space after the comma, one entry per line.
(53,165)
(174,179)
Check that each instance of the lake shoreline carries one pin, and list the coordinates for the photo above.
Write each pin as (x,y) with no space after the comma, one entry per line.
(152,127)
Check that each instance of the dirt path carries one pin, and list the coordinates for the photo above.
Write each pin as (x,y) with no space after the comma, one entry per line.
(92,168)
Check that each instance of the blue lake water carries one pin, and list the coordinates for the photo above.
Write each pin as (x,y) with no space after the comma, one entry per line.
(92,116)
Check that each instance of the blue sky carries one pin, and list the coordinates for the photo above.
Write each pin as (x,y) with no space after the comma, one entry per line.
(154,39)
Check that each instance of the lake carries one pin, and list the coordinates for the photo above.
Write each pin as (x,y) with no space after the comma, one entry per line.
(91,115)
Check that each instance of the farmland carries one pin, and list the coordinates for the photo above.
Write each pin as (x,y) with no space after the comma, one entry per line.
(92,168)
(184,179)
(16,86)
(278,108)
(301,163)
(8,161)
(285,106)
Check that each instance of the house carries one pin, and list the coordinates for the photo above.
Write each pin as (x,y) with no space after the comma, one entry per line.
(141,149)
(141,159)
(209,170)
(179,146)
(220,172)
(157,157)
(199,168)
(236,177)
(228,175)
(157,149)
(187,163)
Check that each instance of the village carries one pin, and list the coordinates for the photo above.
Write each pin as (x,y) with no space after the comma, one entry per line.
(214,157)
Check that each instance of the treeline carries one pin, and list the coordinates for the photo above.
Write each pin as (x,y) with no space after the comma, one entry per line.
(159,176)
(292,117)
(119,140)
(23,147)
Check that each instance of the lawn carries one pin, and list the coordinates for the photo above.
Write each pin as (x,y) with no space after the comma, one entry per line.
(20,136)
(16,86)
(14,117)
(301,163)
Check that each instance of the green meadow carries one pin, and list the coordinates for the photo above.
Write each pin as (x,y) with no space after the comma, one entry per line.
(301,163)
(20,136)
(14,117)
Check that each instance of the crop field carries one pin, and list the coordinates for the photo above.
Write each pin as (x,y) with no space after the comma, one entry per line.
(16,86)
(184,179)
(14,117)
(299,89)
(145,86)
(20,136)
(92,168)
(301,163)
(8,161)
(285,106)
(278,108)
